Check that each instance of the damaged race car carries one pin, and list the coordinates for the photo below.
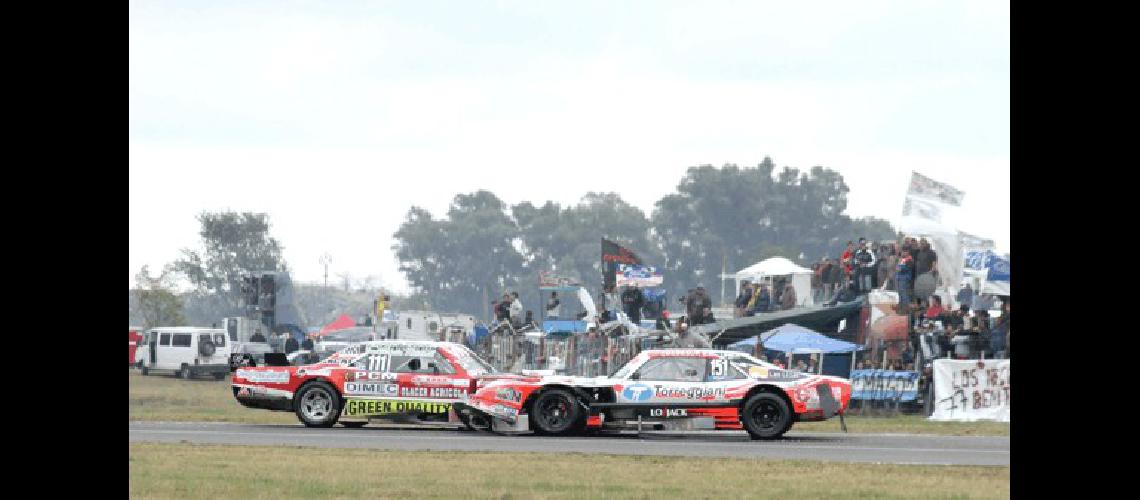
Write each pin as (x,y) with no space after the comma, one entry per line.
(396,380)
(671,389)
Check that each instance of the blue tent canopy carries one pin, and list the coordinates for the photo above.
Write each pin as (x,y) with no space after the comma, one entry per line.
(795,339)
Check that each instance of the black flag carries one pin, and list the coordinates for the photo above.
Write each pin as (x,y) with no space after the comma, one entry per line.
(612,255)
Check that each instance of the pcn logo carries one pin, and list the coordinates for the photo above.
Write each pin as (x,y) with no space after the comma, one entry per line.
(637,392)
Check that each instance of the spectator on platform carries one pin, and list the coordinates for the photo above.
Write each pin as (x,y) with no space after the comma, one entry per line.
(632,300)
(825,281)
(998,337)
(516,310)
(610,304)
(865,259)
(743,298)
(761,301)
(935,310)
(904,277)
(788,299)
(848,260)
(817,282)
(965,295)
(888,259)
(553,306)
(837,281)
(926,260)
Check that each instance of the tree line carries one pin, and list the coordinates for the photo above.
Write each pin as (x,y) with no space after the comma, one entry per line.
(717,218)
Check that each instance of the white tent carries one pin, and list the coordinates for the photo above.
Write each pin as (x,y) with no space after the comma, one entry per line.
(776,267)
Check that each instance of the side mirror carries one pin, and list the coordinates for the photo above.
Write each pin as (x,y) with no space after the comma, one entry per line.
(635,376)
(414,364)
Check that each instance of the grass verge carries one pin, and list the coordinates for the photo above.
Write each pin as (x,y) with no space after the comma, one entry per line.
(216,471)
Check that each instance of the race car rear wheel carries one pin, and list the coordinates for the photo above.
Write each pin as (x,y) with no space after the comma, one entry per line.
(317,405)
(555,412)
(766,416)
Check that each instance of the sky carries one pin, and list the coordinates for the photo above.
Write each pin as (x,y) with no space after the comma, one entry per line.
(335,118)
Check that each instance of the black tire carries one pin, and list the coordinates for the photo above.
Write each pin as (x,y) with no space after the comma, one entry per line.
(317,405)
(219,376)
(354,425)
(766,416)
(184,373)
(556,412)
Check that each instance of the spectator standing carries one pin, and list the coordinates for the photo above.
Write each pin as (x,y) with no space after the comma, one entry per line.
(816,283)
(633,301)
(887,262)
(866,262)
(848,260)
(935,310)
(926,260)
(610,304)
(837,281)
(516,310)
(704,306)
(825,280)
(743,298)
(998,337)
(788,299)
(290,345)
(307,344)
(761,301)
(965,295)
(904,277)
(553,306)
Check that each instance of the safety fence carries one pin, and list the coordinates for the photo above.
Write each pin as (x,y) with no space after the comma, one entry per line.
(578,355)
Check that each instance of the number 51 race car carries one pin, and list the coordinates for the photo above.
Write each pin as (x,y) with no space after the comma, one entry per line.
(676,389)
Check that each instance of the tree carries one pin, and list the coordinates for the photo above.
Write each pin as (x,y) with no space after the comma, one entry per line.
(461,259)
(732,217)
(157,303)
(234,245)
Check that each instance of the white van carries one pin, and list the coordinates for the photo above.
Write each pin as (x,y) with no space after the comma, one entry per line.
(187,351)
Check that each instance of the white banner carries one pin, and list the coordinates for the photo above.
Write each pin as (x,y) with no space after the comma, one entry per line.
(971,390)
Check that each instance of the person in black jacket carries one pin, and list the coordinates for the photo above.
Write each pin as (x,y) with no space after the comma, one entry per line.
(632,300)
(290,344)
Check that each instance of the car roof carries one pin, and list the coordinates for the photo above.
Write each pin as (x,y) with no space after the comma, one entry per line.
(186,329)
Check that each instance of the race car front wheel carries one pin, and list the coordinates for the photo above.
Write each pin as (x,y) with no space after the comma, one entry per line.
(317,405)
(555,412)
(766,416)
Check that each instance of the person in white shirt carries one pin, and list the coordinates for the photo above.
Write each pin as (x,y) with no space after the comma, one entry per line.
(516,310)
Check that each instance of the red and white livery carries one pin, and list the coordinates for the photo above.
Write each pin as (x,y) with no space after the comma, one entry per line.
(683,389)
(410,381)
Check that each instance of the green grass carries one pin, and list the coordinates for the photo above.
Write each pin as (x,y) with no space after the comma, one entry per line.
(215,471)
(165,398)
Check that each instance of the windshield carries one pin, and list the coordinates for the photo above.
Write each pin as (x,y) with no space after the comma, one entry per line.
(471,362)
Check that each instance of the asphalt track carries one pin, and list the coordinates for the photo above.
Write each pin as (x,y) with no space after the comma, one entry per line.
(873,448)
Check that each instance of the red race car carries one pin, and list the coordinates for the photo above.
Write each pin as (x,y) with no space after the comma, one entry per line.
(678,389)
(409,381)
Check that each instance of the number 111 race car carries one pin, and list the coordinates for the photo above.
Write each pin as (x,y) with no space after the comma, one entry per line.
(674,389)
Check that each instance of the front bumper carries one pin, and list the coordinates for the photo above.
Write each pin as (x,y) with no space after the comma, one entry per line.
(503,418)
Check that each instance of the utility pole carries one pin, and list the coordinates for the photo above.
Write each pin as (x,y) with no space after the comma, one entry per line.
(325,260)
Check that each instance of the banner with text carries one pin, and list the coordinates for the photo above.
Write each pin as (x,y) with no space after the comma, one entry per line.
(970,390)
(628,275)
(884,385)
